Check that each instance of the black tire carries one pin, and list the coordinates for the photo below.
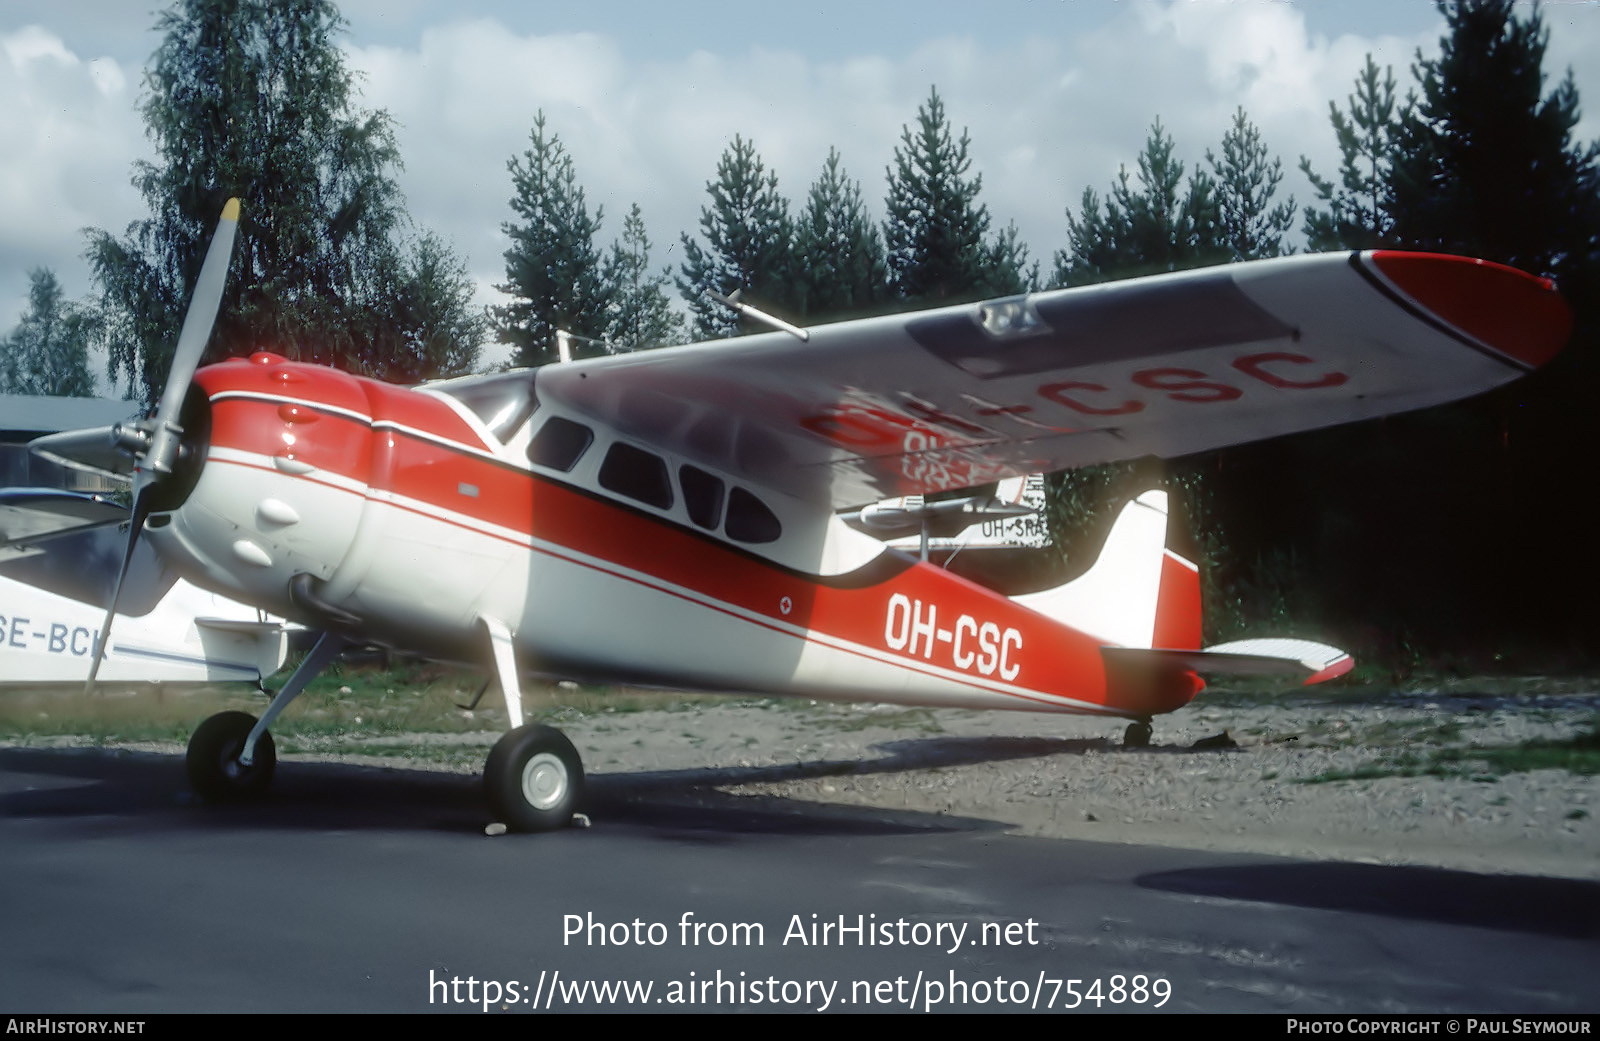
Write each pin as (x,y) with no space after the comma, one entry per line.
(533,779)
(1137,735)
(213,760)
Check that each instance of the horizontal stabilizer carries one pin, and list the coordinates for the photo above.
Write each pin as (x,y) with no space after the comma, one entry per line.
(247,628)
(1315,662)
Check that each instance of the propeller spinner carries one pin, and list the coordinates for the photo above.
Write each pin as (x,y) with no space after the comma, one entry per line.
(155,442)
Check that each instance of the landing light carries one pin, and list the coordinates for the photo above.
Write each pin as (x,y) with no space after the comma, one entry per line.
(1009,318)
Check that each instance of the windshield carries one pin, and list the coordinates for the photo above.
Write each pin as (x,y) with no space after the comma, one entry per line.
(503,400)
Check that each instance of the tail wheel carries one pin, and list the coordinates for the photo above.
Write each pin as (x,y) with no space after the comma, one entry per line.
(213,760)
(534,779)
(1137,735)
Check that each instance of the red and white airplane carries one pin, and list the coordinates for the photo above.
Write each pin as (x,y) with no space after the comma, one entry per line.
(673,517)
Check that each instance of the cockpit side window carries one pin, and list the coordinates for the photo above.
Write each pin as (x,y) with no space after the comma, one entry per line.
(702,496)
(750,519)
(637,474)
(559,444)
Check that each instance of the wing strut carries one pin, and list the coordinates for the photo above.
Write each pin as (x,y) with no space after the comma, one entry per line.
(758,315)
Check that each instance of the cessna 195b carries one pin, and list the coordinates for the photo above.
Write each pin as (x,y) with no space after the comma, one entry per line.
(672,517)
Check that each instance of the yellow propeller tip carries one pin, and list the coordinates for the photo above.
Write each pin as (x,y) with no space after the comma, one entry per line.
(231,211)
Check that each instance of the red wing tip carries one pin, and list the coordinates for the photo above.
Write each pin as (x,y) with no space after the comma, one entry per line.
(1334,671)
(1511,312)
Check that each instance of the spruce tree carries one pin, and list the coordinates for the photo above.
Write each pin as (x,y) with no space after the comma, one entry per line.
(1486,165)
(935,228)
(553,268)
(839,259)
(1356,213)
(1162,224)
(1249,226)
(1007,271)
(640,316)
(747,245)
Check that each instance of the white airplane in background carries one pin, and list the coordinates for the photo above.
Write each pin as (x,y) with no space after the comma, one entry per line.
(1011,516)
(671,517)
(59,553)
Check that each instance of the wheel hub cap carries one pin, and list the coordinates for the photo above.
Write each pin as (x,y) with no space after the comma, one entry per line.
(544,781)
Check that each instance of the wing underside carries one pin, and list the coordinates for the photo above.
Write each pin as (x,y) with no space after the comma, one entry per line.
(1164,366)
(31,516)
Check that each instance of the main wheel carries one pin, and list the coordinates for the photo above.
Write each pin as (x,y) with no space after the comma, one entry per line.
(533,779)
(213,759)
(1137,735)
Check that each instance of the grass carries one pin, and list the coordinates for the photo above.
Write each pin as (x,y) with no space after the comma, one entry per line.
(1578,755)
(346,700)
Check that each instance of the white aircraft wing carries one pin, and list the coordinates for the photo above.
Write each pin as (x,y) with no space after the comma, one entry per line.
(29,516)
(1167,366)
(52,608)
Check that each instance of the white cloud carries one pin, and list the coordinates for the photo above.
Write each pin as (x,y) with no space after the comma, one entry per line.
(33,44)
(70,135)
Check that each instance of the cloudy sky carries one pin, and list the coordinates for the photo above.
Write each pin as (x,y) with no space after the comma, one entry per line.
(1056,95)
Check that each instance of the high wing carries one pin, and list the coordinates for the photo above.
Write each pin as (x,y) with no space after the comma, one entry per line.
(29,516)
(1167,366)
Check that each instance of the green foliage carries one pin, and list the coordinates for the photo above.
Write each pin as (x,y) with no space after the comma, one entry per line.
(553,268)
(1008,272)
(1481,162)
(748,242)
(1162,225)
(839,257)
(1356,214)
(1578,755)
(1249,226)
(1486,164)
(935,228)
(251,98)
(421,319)
(48,351)
(640,316)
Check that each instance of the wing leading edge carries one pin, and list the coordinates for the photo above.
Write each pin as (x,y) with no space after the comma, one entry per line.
(1167,365)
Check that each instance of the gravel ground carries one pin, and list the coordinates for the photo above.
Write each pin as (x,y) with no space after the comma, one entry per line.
(1070,777)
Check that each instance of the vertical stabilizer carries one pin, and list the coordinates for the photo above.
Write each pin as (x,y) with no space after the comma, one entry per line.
(1138,593)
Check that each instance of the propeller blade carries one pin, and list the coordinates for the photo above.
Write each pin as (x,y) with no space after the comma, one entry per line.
(197,323)
(164,433)
(141,508)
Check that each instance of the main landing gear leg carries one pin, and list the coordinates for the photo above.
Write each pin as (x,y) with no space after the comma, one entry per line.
(231,756)
(534,777)
(1138,734)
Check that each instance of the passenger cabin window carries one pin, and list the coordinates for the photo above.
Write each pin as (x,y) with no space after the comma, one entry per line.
(503,401)
(559,444)
(749,519)
(702,496)
(637,474)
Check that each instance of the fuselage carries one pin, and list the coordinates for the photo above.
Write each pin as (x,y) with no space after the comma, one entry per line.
(408,516)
